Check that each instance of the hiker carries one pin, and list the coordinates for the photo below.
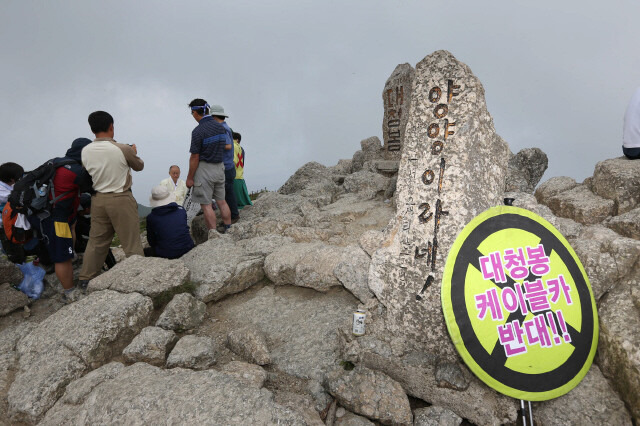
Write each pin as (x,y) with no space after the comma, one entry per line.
(217,112)
(9,175)
(113,207)
(206,168)
(239,187)
(167,229)
(176,185)
(631,128)
(59,229)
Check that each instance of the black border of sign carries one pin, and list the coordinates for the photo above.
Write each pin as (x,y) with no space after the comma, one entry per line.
(543,382)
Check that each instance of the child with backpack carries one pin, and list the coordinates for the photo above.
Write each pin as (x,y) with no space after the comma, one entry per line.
(69,181)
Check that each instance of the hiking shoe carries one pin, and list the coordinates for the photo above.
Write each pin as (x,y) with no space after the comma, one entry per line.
(71,295)
(234,219)
(83,284)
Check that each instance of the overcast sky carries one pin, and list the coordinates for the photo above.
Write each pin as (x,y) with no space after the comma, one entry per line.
(302,80)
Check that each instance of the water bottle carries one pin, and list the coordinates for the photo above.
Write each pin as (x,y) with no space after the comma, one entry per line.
(43,190)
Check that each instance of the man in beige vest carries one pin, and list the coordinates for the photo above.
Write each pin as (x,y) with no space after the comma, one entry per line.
(113,208)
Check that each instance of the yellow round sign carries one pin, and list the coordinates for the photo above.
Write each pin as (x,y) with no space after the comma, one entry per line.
(518,305)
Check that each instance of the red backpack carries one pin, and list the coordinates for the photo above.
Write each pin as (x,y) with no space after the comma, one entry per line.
(14,235)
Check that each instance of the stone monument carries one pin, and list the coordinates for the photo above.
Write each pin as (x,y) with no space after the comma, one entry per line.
(453,167)
(396,98)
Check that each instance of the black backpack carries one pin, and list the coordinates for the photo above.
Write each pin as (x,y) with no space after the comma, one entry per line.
(30,193)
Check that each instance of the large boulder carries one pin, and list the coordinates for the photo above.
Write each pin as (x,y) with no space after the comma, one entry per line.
(554,186)
(581,205)
(312,180)
(453,167)
(79,337)
(366,182)
(143,394)
(11,299)
(618,179)
(619,342)
(151,346)
(219,268)
(9,272)
(372,394)
(184,312)
(627,224)
(155,277)
(592,402)
(526,169)
(195,352)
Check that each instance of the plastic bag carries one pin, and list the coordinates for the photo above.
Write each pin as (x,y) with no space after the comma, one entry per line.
(32,284)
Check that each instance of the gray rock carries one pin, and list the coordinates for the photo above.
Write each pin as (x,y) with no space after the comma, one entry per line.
(396,98)
(300,403)
(370,393)
(143,394)
(78,391)
(151,276)
(372,148)
(220,268)
(299,325)
(195,352)
(9,338)
(618,179)
(263,245)
(607,258)
(11,299)
(9,272)
(424,376)
(316,269)
(350,419)
(357,161)
(184,312)
(64,351)
(581,205)
(526,169)
(592,402)
(385,167)
(619,342)
(251,344)
(353,273)
(280,265)
(391,189)
(251,374)
(458,168)
(553,187)
(435,416)
(627,224)
(199,230)
(312,180)
(343,167)
(371,241)
(365,182)
(151,346)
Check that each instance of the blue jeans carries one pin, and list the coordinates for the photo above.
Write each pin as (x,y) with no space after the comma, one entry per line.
(229,193)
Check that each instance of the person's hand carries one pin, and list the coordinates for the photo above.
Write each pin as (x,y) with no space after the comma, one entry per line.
(134,148)
(189,182)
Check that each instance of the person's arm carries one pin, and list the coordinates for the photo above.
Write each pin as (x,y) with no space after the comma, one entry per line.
(194,160)
(131,155)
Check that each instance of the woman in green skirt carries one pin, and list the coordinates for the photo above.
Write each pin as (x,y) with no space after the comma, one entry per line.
(242,195)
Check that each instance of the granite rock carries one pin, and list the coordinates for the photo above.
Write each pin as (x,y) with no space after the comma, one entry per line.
(526,169)
(9,272)
(250,343)
(151,346)
(554,186)
(11,299)
(195,352)
(184,312)
(252,374)
(581,205)
(435,416)
(618,179)
(396,98)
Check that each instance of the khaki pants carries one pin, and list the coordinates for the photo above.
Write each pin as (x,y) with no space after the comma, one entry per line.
(112,212)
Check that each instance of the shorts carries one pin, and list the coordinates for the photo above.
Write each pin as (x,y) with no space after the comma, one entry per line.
(58,239)
(208,183)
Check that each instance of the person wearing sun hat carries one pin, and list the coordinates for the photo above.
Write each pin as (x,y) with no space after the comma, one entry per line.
(167,229)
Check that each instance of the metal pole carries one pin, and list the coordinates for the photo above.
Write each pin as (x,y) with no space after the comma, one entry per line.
(524,413)
(530,413)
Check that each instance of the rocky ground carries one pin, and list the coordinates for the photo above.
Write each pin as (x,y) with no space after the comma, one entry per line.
(254,326)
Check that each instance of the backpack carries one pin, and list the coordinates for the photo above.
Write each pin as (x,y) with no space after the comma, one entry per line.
(14,234)
(30,196)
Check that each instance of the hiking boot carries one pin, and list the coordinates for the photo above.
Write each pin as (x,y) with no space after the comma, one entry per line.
(234,219)
(71,295)
(83,284)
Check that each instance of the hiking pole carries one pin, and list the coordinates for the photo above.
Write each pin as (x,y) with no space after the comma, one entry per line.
(523,412)
(530,413)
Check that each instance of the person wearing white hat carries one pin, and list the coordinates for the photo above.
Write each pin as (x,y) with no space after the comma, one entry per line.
(167,229)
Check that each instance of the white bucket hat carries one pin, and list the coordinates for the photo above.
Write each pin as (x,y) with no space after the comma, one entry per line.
(160,196)
(217,110)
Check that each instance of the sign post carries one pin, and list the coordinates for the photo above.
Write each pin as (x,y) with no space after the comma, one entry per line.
(518,305)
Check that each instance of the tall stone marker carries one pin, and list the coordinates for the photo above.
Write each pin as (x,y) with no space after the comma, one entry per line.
(453,167)
(396,97)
